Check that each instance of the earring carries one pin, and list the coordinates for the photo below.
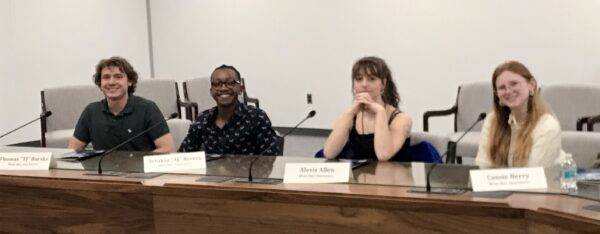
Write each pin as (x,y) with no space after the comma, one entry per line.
(531,93)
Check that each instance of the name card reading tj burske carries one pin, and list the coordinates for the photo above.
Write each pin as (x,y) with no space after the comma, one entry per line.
(25,161)
(178,162)
(334,172)
(508,179)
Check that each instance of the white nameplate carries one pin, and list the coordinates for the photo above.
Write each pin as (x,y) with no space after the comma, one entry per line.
(178,162)
(508,179)
(25,161)
(335,172)
(418,173)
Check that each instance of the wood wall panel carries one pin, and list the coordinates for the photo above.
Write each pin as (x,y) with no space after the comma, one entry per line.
(62,201)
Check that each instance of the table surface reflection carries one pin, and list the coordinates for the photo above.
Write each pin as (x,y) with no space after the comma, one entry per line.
(374,173)
(272,167)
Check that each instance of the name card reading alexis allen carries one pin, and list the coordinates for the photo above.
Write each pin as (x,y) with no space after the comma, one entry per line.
(25,161)
(508,179)
(334,172)
(179,162)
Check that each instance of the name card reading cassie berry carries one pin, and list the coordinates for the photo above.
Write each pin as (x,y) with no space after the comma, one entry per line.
(335,172)
(25,161)
(178,162)
(508,179)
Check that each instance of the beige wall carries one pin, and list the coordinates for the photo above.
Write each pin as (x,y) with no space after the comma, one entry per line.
(47,43)
(287,48)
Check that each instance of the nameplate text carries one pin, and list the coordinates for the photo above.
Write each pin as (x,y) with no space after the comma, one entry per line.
(178,162)
(511,179)
(335,172)
(25,161)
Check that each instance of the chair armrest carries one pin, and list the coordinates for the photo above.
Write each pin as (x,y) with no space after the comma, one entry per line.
(591,121)
(191,109)
(253,101)
(581,121)
(433,113)
(44,129)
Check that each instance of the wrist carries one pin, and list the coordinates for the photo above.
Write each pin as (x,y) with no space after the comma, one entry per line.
(380,110)
(351,112)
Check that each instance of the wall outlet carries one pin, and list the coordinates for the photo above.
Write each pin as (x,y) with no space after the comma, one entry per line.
(309,99)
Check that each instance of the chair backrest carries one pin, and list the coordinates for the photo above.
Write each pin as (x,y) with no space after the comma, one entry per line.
(472,100)
(304,142)
(243,97)
(66,104)
(198,90)
(163,92)
(569,102)
(179,129)
(584,146)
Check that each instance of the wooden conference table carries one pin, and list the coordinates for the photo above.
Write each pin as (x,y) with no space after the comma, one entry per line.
(378,200)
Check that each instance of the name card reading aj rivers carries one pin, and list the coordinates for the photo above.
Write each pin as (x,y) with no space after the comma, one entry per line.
(25,161)
(508,179)
(338,172)
(179,162)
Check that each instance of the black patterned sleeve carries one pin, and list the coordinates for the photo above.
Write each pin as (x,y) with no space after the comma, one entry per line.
(266,138)
(193,141)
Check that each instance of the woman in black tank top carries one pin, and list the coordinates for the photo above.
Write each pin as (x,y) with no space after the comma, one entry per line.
(372,128)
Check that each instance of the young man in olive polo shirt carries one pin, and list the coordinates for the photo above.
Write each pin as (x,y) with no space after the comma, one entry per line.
(120,115)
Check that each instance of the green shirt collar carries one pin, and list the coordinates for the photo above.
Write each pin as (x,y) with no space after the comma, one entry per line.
(127,110)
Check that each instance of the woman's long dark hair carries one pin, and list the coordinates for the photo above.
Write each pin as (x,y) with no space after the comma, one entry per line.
(378,68)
